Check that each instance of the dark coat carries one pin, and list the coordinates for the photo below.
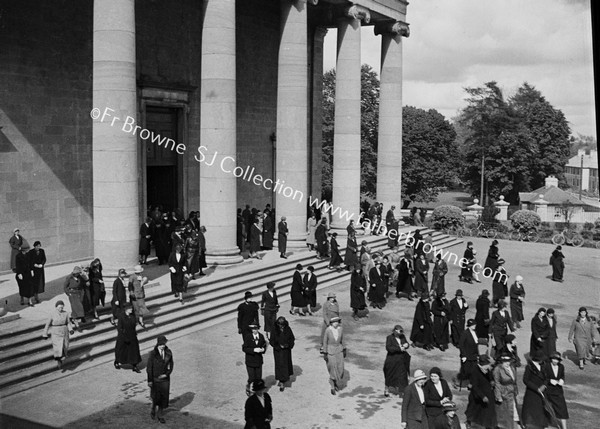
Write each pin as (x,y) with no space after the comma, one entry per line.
(516,305)
(533,406)
(405,282)
(421,273)
(254,359)
(558,265)
(350,257)
(467,271)
(422,337)
(413,410)
(492,258)
(468,346)
(554,392)
(39,276)
(358,287)
(282,342)
(396,367)
(254,238)
(499,284)
(438,281)
(336,257)
(552,337)
(297,291)
(268,232)
(146,233)
(247,315)
(15,243)
(499,327)
(377,285)
(310,289)
(180,270)
(540,331)
(127,349)
(119,297)
(443,422)
(482,316)
(433,404)
(457,316)
(256,415)
(157,366)
(282,234)
(269,306)
(321,239)
(441,309)
(479,411)
(24,268)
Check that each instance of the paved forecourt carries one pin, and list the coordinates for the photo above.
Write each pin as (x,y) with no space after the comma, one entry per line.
(207,387)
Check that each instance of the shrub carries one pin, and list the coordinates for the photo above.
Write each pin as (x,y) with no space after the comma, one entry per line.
(597,223)
(525,220)
(488,215)
(447,216)
(588,226)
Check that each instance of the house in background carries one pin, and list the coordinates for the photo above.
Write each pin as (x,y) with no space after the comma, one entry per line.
(555,205)
(582,171)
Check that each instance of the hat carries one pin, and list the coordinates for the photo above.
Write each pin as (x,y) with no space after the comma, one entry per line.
(253,326)
(469,243)
(59,302)
(485,292)
(483,341)
(16,229)
(483,360)
(471,322)
(435,370)
(505,358)
(258,385)
(335,319)
(247,294)
(541,309)
(398,328)
(138,269)
(509,338)
(556,355)
(270,285)
(299,266)
(519,278)
(495,242)
(550,311)
(161,340)
(582,309)
(450,406)
(558,247)
(122,271)
(77,270)
(330,295)
(459,292)
(419,375)
(537,356)
(425,295)
(334,234)
(501,261)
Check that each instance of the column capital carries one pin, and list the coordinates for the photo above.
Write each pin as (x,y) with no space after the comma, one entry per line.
(358,12)
(394,28)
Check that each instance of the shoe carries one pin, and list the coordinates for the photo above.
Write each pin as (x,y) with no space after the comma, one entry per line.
(117,365)
(59,363)
(143,325)
(112,322)
(201,274)
(162,420)
(281,387)
(136,369)
(333,391)
(153,415)
(31,304)
(580,366)
(310,313)
(291,312)
(302,314)
(22,302)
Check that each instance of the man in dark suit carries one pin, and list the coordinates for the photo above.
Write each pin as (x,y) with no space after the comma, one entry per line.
(378,285)
(413,404)
(159,369)
(255,347)
(258,411)
(458,310)
(269,306)
(282,237)
(468,353)
(247,314)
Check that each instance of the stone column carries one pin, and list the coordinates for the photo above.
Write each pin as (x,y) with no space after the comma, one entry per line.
(218,198)
(346,137)
(503,206)
(389,151)
(114,151)
(292,121)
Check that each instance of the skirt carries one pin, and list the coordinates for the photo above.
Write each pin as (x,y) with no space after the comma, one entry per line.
(139,307)
(60,341)
(76,301)
(335,366)
(160,393)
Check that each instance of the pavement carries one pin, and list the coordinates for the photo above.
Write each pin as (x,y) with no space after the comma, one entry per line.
(207,385)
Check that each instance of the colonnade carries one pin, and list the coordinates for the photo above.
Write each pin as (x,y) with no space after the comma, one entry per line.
(115,154)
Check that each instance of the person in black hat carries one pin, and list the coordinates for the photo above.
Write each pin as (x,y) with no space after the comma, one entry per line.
(422,328)
(310,289)
(500,323)
(505,391)
(358,286)
(535,381)
(254,347)
(558,264)
(269,306)
(466,272)
(119,295)
(440,308)
(492,260)
(481,408)
(437,393)
(468,353)
(540,331)
(510,348)
(499,282)
(336,258)
(258,411)
(282,341)
(159,369)
(397,362)
(448,419)
(282,234)
(23,269)
(482,314)
(438,280)
(555,375)
(298,302)
(247,314)
(127,348)
(552,333)
(457,314)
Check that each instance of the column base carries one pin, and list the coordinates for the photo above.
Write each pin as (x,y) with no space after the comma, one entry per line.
(227,256)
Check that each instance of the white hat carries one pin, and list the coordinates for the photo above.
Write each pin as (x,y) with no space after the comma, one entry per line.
(519,278)
(419,375)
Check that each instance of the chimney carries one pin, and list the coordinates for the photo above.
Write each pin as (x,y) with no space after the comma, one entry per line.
(551,181)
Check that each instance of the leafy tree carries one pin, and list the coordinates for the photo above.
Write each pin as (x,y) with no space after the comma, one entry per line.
(429,149)
(582,142)
(525,220)
(447,216)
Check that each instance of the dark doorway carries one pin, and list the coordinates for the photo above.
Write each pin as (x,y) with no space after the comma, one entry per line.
(162,187)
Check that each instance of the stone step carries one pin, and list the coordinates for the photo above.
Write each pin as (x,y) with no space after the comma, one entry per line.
(25,355)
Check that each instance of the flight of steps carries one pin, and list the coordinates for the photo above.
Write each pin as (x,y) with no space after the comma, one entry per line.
(25,356)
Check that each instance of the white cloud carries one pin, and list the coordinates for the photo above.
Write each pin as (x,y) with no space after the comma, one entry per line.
(463,43)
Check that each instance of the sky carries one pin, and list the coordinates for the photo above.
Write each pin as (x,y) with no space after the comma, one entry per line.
(455,44)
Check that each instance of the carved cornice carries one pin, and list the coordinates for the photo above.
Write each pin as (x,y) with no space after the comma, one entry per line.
(358,12)
(394,28)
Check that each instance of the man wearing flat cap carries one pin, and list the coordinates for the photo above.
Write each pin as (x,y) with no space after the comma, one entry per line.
(247,314)
(254,347)
(159,369)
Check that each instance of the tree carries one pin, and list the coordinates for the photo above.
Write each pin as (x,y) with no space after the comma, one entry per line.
(429,161)
(582,142)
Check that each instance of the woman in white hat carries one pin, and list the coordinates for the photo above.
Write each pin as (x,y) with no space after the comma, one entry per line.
(137,294)
(334,352)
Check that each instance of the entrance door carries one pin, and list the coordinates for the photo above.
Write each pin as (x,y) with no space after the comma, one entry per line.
(162,185)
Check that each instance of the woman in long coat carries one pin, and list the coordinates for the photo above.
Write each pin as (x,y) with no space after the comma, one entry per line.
(255,234)
(97,285)
(558,264)
(145,240)
(534,378)
(336,258)
(268,232)
(505,391)
(491,261)
(38,260)
(178,269)
(397,362)
(350,257)
(297,292)
(405,281)
(358,286)
(438,280)
(192,251)
(334,352)
(137,295)
(159,368)
(440,308)
(16,242)
(434,400)
(517,296)
(481,409)
(552,333)
(321,239)
(127,348)
(555,374)
(311,227)
(540,331)
(74,288)
(422,329)
(482,314)
(421,273)
(282,340)
(499,282)
(583,333)
(59,327)
(23,271)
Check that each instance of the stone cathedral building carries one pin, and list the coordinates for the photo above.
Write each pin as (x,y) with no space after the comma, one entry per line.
(110,106)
